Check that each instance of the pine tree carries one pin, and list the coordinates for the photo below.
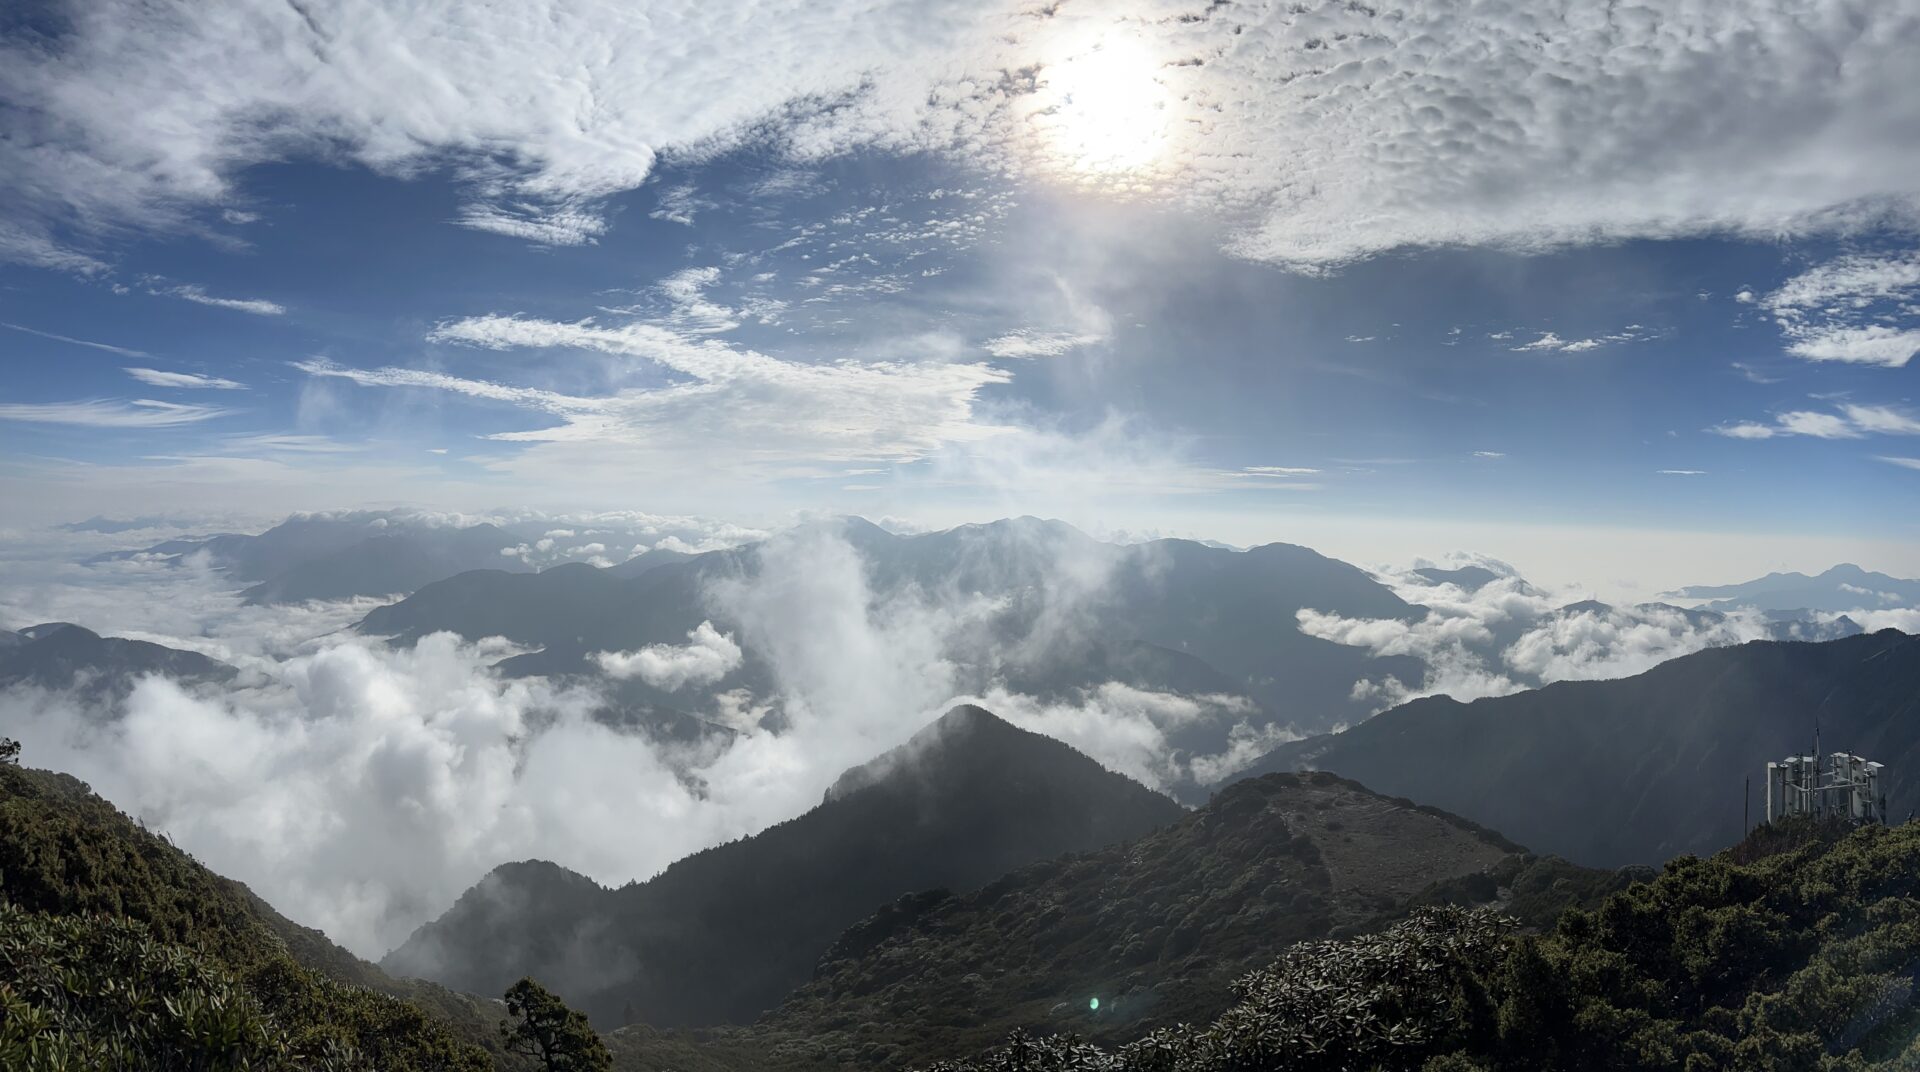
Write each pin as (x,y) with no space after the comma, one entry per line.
(560,1037)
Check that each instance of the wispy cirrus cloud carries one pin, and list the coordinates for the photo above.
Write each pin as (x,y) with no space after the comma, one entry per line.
(184,380)
(110,413)
(199,296)
(123,351)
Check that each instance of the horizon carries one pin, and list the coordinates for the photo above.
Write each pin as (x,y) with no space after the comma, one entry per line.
(1074,307)
(586,431)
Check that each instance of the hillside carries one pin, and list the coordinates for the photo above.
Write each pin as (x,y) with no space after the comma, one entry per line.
(80,881)
(1155,929)
(1793,951)
(60,655)
(1641,769)
(724,934)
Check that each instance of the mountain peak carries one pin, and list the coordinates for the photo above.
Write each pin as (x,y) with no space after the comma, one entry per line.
(943,742)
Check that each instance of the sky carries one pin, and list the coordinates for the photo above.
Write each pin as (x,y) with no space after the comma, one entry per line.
(1626,295)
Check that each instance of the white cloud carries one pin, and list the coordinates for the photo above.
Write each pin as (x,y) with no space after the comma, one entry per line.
(1681,472)
(679,204)
(198,295)
(110,413)
(1331,131)
(732,407)
(1856,308)
(1507,636)
(121,350)
(1549,341)
(706,657)
(1851,422)
(1904,463)
(1883,420)
(565,224)
(1489,454)
(188,380)
(1028,343)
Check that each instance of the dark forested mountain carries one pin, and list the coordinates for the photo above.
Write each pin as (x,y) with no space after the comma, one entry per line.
(1791,951)
(1645,768)
(722,935)
(120,916)
(60,655)
(1154,929)
(1843,588)
(1170,615)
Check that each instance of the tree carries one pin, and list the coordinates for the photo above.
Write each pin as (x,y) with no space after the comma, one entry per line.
(9,750)
(560,1037)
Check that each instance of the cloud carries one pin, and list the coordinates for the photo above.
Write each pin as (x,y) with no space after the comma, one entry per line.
(1851,422)
(1858,308)
(1489,454)
(1548,341)
(1904,463)
(730,406)
(1506,636)
(1322,133)
(121,350)
(1277,470)
(1028,343)
(110,413)
(1681,472)
(708,656)
(159,378)
(679,204)
(256,306)
(565,224)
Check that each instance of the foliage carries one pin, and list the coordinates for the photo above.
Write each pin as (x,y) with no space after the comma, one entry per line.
(90,992)
(559,1037)
(1803,958)
(97,905)
(9,751)
(1385,1000)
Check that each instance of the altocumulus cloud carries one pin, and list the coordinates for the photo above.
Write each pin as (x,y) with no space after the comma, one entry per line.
(1327,131)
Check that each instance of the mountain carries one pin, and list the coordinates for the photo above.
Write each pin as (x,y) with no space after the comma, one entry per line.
(87,894)
(1641,769)
(60,655)
(384,565)
(1845,587)
(1155,929)
(1791,951)
(1070,613)
(724,934)
(340,556)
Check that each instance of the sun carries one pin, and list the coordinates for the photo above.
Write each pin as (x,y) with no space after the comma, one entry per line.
(1106,108)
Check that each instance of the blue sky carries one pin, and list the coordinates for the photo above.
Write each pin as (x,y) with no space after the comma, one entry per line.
(1424,303)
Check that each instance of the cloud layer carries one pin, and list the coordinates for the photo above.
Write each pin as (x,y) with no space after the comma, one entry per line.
(1328,131)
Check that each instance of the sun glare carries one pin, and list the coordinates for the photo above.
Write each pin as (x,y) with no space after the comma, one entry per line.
(1107,108)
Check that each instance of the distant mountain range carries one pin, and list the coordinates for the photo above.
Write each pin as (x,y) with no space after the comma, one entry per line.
(63,656)
(342,556)
(1845,587)
(722,935)
(1073,613)
(1640,769)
